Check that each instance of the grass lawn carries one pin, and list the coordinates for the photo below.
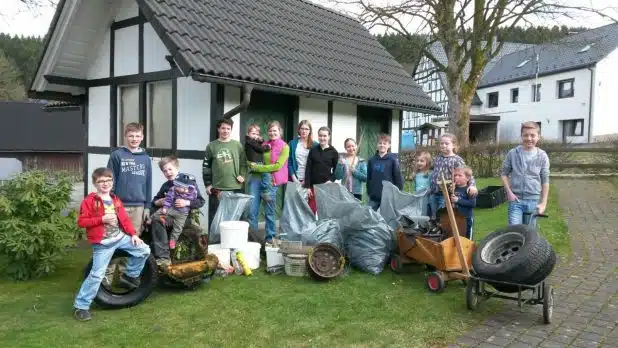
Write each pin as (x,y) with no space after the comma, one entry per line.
(358,310)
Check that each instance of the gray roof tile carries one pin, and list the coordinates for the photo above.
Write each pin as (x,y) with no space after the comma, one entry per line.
(288,43)
(555,57)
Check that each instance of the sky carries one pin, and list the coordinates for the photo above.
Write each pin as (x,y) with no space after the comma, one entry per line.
(16,19)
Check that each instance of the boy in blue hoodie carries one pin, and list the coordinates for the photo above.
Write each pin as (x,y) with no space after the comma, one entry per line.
(132,171)
(383,166)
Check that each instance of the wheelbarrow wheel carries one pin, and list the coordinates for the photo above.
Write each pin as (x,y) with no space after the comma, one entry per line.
(472,296)
(396,263)
(548,303)
(435,282)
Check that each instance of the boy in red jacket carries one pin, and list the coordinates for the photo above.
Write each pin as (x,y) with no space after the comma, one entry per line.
(108,228)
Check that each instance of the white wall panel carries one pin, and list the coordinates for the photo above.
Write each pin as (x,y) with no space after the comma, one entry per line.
(395,132)
(344,124)
(314,110)
(94,161)
(193,114)
(100,62)
(127,9)
(232,100)
(98,116)
(154,51)
(126,51)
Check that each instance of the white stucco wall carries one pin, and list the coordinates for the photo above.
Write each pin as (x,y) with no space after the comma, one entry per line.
(154,51)
(98,116)
(193,114)
(549,110)
(395,136)
(316,111)
(344,123)
(232,100)
(126,9)
(94,161)
(126,51)
(99,67)
(604,119)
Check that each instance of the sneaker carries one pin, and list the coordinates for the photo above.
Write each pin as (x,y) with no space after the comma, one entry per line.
(82,314)
(163,263)
(172,244)
(128,283)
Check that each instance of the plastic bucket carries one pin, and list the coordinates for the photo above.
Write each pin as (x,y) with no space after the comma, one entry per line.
(234,234)
(251,252)
(222,254)
(273,257)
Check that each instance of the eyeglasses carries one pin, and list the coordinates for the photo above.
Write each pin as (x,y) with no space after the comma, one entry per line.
(105,181)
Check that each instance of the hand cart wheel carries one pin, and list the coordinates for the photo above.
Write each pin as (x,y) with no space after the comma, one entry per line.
(435,282)
(548,303)
(472,296)
(396,263)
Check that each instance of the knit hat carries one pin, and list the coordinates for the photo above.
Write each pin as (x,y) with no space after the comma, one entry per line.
(182,180)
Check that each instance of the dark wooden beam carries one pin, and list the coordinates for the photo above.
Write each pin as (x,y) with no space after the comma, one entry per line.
(66,81)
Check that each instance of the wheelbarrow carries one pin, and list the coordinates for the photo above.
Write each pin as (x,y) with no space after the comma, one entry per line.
(449,257)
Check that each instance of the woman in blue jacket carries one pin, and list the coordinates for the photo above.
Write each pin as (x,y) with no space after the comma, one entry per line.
(299,150)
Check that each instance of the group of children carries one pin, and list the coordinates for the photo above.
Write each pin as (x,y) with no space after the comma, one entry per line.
(113,216)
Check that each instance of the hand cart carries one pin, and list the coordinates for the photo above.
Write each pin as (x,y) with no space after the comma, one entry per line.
(542,293)
(450,258)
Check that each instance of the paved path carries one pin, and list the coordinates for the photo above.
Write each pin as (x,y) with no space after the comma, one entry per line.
(586,285)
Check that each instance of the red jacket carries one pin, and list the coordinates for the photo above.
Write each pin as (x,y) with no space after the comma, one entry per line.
(91,217)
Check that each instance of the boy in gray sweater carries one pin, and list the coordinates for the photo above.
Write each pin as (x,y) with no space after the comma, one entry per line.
(525,175)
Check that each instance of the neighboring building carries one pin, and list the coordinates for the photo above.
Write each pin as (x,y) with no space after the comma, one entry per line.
(40,137)
(177,67)
(573,103)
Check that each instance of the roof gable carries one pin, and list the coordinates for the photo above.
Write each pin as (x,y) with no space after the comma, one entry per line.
(283,43)
(565,54)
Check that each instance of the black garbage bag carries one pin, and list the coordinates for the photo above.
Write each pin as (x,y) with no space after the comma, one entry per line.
(297,219)
(368,240)
(395,204)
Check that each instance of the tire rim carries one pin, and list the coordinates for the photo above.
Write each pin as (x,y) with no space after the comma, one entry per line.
(394,264)
(502,248)
(550,304)
(114,270)
(432,281)
(474,298)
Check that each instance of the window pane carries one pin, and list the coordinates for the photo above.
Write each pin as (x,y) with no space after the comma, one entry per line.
(128,109)
(159,133)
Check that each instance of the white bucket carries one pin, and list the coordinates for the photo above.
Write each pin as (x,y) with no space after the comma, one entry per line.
(234,234)
(273,257)
(251,252)
(222,254)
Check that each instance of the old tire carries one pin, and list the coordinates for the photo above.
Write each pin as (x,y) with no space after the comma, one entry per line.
(112,298)
(434,282)
(537,276)
(472,296)
(396,263)
(514,254)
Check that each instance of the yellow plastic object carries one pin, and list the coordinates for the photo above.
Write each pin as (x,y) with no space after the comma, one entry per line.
(243,263)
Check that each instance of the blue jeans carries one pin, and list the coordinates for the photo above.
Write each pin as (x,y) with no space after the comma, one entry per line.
(436,201)
(517,210)
(269,196)
(101,256)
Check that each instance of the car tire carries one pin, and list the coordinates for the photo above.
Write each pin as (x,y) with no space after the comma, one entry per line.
(111,299)
(513,254)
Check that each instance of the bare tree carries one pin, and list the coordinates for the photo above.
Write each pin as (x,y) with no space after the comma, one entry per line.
(32,6)
(466,30)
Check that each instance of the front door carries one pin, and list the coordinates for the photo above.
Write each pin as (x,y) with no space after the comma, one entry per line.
(371,122)
(264,108)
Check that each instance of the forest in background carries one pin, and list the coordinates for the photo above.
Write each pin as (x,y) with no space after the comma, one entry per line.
(20,55)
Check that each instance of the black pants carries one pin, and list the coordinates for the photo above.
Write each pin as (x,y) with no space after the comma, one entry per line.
(213,204)
(160,246)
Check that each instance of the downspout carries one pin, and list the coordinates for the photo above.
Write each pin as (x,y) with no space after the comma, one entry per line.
(590,103)
(244,104)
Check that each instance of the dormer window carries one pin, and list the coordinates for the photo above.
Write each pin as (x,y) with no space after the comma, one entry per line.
(523,63)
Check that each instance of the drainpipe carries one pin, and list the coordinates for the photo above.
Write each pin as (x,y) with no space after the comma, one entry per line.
(244,104)
(590,103)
